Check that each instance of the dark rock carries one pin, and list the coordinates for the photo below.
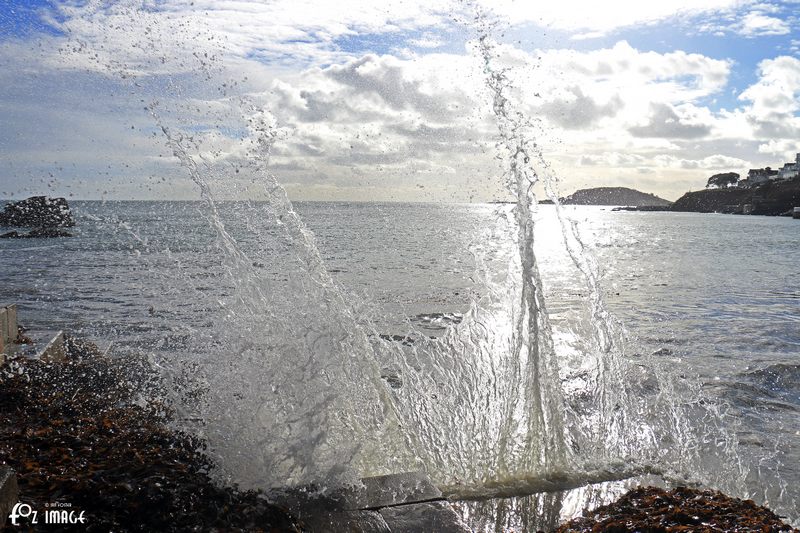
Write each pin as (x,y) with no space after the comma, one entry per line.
(392,377)
(682,509)
(91,434)
(613,196)
(38,211)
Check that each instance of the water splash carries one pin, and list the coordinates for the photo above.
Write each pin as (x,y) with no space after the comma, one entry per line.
(290,376)
(293,398)
(620,416)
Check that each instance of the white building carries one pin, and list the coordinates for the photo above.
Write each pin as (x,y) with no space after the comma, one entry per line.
(790,170)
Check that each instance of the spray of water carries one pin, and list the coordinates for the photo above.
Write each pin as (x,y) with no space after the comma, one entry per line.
(626,417)
(290,377)
(297,399)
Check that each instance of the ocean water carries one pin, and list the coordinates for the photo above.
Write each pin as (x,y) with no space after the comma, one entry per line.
(710,300)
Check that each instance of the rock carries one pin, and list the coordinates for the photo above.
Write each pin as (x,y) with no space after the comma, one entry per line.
(93,433)
(681,509)
(613,196)
(39,212)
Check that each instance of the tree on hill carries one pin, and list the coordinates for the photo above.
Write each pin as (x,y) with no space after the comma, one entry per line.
(723,180)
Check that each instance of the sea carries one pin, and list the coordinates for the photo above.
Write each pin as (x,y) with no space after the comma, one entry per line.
(711,299)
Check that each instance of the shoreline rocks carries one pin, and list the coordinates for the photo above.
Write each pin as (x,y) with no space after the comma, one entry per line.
(656,510)
(81,437)
(37,212)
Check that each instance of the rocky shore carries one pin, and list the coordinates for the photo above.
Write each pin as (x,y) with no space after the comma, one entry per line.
(654,510)
(82,437)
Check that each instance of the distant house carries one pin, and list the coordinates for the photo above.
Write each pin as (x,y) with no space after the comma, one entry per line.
(756,176)
(790,170)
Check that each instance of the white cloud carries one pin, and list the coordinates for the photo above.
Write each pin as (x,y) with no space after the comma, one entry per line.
(713,162)
(774,98)
(751,21)
(303,32)
(617,159)
(783,149)
(673,76)
(602,16)
(757,24)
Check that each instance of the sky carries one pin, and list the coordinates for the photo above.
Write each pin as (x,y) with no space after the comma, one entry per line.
(363,100)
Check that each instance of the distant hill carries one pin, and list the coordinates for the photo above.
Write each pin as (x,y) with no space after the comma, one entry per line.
(614,196)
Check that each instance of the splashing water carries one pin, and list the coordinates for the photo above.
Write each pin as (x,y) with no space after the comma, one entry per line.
(291,384)
(302,401)
(610,419)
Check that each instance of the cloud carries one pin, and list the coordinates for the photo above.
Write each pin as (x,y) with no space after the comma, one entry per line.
(578,110)
(612,159)
(665,122)
(753,21)
(309,32)
(713,162)
(676,76)
(757,24)
(783,148)
(617,160)
(579,15)
(774,99)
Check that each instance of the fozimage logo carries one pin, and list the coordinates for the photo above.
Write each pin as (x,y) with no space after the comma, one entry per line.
(54,513)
